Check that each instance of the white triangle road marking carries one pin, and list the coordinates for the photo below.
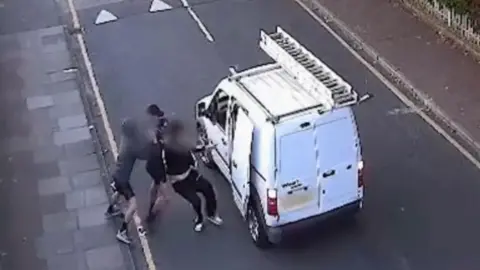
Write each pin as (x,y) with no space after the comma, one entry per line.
(158,5)
(104,17)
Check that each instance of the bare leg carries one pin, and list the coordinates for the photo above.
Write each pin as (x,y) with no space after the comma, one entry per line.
(158,199)
(131,209)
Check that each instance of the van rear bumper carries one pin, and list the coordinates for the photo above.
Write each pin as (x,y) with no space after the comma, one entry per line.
(275,234)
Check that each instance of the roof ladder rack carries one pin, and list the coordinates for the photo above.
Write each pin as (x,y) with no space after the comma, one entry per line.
(316,77)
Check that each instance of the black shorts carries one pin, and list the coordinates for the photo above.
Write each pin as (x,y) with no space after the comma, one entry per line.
(125,189)
(156,169)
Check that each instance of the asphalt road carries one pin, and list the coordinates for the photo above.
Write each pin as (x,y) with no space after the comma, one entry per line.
(421,209)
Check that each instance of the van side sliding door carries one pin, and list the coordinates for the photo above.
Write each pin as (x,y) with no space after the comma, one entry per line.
(240,161)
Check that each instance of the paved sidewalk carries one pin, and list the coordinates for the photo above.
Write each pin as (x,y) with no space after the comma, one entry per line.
(52,198)
(432,64)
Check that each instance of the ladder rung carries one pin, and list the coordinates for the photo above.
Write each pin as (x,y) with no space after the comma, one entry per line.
(302,58)
(292,55)
(310,64)
(332,85)
(330,82)
(323,76)
(317,73)
(303,61)
(307,66)
(343,95)
(296,53)
(339,89)
(316,70)
(276,36)
(345,100)
(340,94)
(307,62)
(289,48)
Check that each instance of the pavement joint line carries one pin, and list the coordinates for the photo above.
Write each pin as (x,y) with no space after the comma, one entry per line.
(409,103)
(111,141)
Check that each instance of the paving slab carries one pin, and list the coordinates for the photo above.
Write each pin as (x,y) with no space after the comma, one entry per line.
(52,198)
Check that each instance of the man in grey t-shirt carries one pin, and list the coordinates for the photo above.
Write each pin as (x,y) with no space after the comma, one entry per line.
(138,141)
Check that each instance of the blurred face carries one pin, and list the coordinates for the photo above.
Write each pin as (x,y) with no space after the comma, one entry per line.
(152,119)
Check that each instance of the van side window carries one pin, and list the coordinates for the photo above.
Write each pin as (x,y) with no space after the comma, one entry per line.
(219,108)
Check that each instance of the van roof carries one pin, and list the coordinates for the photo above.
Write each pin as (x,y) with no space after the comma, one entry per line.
(296,83)
(279,92)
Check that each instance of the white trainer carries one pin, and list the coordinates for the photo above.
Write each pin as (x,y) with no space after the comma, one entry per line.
(123,237)
(198,227)
(215,220)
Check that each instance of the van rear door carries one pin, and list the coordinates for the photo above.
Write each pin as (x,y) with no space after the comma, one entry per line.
(317,168)
(297,192)
(337,146)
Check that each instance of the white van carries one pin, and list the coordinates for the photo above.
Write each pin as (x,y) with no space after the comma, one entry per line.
(285,138)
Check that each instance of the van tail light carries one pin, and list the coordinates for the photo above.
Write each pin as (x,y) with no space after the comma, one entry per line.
(360,173)
(272,202)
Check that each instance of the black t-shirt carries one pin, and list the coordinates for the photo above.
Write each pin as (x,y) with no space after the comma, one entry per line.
(178,158)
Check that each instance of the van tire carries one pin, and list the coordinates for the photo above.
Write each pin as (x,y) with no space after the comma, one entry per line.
(256,228)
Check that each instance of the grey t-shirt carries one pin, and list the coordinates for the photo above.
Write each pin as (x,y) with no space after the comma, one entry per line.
(138,141)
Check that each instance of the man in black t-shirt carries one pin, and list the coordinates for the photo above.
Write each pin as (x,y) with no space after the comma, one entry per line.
(182,173)
(155,166)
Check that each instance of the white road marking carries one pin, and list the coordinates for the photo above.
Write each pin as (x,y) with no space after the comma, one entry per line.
(158,5)
(104,17)
(393,88)
(103,113)
(197,20)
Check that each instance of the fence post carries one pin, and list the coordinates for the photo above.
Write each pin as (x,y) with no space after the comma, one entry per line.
(449,18)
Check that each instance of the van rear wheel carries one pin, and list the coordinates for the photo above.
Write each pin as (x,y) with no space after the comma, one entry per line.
(256,228)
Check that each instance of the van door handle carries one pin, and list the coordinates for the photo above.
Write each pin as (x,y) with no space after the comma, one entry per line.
(234,164)
(224,141)
(328,173)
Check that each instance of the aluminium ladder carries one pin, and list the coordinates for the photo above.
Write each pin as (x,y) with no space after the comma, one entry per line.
(315,77)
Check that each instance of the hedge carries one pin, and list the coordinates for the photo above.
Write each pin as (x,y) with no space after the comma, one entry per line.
(461,6)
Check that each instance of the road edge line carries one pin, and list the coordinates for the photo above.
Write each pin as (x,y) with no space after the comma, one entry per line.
(106,123)
(399,76)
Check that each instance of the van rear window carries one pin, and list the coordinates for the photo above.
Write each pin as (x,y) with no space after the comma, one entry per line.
(297,155)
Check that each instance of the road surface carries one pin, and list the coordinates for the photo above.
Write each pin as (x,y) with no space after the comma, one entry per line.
(420,207)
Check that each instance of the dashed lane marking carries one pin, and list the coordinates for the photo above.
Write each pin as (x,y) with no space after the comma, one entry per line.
(200,24)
